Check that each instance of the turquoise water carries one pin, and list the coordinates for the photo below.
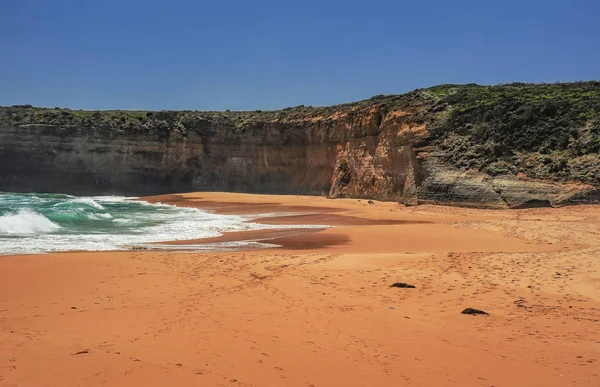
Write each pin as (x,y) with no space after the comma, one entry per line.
(36,223)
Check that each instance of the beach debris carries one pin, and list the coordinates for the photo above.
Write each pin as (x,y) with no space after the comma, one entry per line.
(402,285)
(73,307)
(81,352)
(371,202)
(473,311)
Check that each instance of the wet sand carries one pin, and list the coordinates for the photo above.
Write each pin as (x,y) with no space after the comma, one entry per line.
(319,310)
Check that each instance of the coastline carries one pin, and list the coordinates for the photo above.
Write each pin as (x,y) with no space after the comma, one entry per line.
(318,309)
(312,221)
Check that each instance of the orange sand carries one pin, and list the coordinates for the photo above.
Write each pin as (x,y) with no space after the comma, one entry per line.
(319,311)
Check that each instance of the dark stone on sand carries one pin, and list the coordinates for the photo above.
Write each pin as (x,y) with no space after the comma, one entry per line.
(473,311)
(371,202)
(402,285)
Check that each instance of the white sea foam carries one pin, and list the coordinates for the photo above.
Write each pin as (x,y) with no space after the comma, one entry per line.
(26,222)
(89,201)
(124,221)
(28,232)
(112,199)
(99,216)
(222,246)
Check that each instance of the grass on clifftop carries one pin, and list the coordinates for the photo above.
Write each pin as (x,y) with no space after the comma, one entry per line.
(548,131)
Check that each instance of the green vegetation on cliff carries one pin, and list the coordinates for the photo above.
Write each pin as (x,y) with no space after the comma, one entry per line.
(543,131)
(548,131)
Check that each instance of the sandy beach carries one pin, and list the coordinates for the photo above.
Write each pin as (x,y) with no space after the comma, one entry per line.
(319,310)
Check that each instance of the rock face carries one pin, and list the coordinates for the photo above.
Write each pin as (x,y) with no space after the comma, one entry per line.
(448,186)
(81,161)
(381,148)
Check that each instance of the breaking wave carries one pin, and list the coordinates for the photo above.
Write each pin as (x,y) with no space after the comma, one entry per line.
(37,223)
(26,222)
(88,201)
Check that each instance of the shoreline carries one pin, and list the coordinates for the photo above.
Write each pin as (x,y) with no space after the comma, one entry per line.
(308,237)
(336,214)
(319,310)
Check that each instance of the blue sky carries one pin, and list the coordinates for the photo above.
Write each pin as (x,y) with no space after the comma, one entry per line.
(246,55)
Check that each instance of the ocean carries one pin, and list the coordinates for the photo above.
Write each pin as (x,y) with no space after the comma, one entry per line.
(40,223)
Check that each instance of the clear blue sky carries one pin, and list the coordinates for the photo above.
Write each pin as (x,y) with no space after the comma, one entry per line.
(257,54)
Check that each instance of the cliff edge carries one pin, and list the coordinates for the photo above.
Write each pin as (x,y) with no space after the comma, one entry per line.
(516,145)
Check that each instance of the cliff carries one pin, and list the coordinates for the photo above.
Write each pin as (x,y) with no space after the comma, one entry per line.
(514,145)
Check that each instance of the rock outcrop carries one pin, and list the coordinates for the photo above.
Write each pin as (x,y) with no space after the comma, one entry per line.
(398,148)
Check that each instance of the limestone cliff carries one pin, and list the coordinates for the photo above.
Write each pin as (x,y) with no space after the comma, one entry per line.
(503,146)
